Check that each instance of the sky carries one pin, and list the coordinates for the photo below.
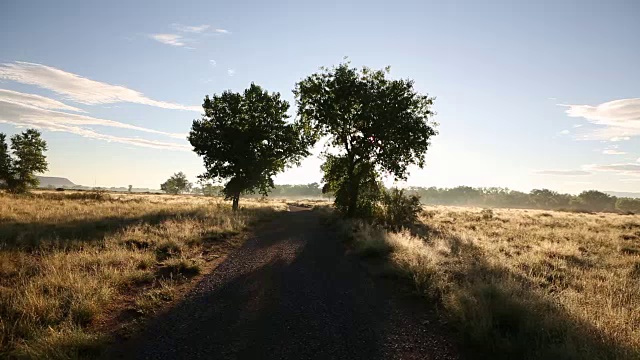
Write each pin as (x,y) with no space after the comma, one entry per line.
(529,94)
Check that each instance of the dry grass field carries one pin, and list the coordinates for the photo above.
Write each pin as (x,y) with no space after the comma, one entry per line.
(73,264)
(525,284)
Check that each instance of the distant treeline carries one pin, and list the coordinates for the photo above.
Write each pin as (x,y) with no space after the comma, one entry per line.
(312,190)
(591,200)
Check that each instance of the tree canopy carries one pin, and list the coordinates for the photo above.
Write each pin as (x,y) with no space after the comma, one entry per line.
(245,140)
(176,184)
(374,124)
(18,167)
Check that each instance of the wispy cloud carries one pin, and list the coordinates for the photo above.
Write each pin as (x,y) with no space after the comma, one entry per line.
(563,172)
(619,138)
(613,152)
(213,63)
(78,88)
(197,29)
(87,133)
(618,118)
(222,31)
(168,39)
(27,115)
(626,169)
(35,100)
(564,132)
(231,72)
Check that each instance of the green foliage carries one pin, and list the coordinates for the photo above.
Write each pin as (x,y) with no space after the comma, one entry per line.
(6,163)
(18,167)
(376,124)
(548,199)
(365,195)
(176,184)
(538,198)
(628,205)
(245,140)
(399,209)
(594,200)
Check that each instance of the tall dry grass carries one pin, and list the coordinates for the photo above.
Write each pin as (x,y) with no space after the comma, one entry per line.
(524,283)
(66,260)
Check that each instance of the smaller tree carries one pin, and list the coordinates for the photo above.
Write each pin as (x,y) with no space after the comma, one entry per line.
(176,184)
(18,169)
(130,188)
(245,140)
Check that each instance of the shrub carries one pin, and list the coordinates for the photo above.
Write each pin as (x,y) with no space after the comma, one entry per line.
(487,214)
(398,209)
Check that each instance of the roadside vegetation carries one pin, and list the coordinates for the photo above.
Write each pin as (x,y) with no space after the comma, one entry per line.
(78,267)
(524,284)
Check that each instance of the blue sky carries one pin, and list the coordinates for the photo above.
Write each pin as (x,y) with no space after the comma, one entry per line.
(529,95)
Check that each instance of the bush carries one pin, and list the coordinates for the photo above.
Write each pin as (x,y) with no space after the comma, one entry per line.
(399,210)
(487,214)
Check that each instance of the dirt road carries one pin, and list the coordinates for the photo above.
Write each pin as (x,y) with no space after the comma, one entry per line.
(292,293)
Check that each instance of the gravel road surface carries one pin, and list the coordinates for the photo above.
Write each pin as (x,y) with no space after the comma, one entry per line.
(291,292)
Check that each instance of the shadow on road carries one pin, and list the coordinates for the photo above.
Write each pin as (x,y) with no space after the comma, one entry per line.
(288,293)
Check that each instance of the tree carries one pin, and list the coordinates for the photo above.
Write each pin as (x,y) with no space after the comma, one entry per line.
(176,184)
(19,167)
(374,123)
(130,188)
(245,140)
(628,205)
(6,163)
(596,201)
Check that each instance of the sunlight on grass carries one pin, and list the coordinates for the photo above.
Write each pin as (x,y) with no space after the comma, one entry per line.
(65,259)
(525,283)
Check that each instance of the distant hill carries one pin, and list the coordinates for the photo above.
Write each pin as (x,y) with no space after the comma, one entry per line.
(48,181)
(633,195)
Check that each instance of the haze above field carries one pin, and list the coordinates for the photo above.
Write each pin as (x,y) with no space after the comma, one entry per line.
(536,95)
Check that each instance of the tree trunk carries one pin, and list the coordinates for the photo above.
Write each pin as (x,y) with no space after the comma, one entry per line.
(236,200)
(354,185)
(353,197)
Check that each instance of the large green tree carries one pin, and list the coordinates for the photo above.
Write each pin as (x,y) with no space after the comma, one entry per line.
(374,125)
(18,167)
(176,184)
(245,140)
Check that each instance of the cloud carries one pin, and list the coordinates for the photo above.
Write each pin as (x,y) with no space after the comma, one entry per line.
(563,172)
(619,138)
(627,169)
(231,72)
(78,88)
(564,132)
(222,31)
(28,115)
(619,118)
(191,29)
(168,39)
(613,152)
(213,62)
(87,133)
(35,100)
